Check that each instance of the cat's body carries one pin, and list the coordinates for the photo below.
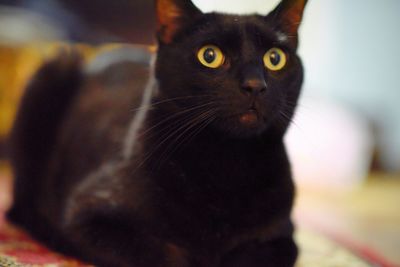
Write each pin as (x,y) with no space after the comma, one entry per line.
(122,169)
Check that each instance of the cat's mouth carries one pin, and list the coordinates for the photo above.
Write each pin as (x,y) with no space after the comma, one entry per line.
(245,123)
(250,117)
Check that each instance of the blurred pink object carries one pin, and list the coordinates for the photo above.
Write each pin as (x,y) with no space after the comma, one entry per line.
(329,145)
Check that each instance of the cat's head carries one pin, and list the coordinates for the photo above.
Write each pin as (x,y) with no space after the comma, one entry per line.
(240,73)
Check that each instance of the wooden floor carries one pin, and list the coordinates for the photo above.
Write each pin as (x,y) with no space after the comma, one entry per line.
(368,216)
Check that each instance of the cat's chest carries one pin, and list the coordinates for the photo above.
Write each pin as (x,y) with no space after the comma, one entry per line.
(217,176)
(223,193)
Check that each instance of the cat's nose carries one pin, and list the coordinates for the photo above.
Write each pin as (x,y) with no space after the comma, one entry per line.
(254,86)
(254,82)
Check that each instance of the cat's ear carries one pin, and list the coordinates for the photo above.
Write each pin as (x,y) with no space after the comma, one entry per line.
(173,16)
(289,14)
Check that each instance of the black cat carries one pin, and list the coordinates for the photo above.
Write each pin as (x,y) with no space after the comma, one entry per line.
(195,175)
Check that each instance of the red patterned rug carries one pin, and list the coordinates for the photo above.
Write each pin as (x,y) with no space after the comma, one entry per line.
(18,249)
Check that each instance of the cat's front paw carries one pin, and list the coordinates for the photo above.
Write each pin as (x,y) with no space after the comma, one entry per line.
(278,253)
(176,256)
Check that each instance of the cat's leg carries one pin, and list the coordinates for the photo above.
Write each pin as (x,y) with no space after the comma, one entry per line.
(104,223)
(105,241)
(118,241)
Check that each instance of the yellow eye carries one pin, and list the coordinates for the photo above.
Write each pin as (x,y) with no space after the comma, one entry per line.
(211,56)
(275,59)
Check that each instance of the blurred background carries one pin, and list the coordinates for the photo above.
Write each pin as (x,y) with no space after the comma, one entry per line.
(345,140)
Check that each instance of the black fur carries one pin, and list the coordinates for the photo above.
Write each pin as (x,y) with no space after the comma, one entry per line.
(201,188)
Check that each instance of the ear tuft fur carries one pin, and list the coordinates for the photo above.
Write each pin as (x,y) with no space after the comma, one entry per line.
(290,14)
(172,16)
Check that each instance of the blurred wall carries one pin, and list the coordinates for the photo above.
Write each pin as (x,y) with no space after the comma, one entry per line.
(364,67)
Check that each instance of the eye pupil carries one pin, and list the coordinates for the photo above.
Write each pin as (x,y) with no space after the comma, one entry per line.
(275,58)
(209,55)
